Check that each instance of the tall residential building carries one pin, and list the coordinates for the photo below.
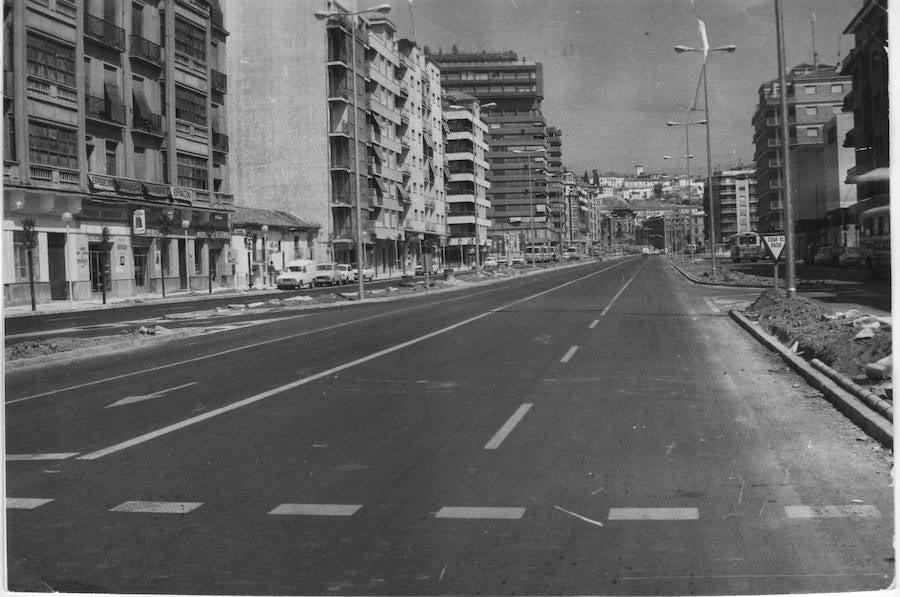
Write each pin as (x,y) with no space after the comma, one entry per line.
(423,163)
(510,91)
(815,95)
(867,64)
(115,148)
(467,203)
(734,195)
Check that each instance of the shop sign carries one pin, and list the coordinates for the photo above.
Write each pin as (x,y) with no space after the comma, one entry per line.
(182,194)
(102,184)
(240,232)
(216,234)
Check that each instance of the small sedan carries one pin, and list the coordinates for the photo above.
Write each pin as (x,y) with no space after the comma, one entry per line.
(490,263)
(368,273)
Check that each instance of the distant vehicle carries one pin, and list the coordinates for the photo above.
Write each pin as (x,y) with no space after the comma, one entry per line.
(646,251)
(502,261)
(745,245)
(326,274)
(299,273)
(875,240)
(827,255)
(572,254)
(517,261)
(368,273)
(420,269)
(490,263)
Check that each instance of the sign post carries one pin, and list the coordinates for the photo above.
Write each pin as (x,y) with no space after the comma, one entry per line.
(774,245)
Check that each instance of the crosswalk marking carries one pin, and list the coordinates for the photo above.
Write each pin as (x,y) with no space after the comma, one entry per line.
(157,507)
(480,512)
(47,456)
(840,511)
(25,503)
(653,514)
(317,509)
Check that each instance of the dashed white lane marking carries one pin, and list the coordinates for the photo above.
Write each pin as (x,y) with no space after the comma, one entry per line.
(25,503)
(593,324)
(568,355)
(322,374)
(507,428)
(157,507)
(317,509)
(151,396)
(653,514)
(863,511)
(480,512)
(621,290)
(47,456)
(712,306)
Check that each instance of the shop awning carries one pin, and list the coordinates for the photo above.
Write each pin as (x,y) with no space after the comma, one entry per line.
(101,184)
(140,101)
(129,187)
(156,191)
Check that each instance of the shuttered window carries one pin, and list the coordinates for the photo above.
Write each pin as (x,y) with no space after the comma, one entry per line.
(190,106)
(52,145)
(192,172)
(50,60)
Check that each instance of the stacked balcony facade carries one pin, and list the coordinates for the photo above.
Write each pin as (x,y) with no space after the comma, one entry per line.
(110,121)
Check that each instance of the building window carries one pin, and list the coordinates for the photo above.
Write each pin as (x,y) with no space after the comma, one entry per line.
(190,40)
(20,257)
(190,106)
(52,145)
(837,88)
(50,60)
(192,172)
(198,257)
(112,168)
(809,90)
(812,132)
(812,111)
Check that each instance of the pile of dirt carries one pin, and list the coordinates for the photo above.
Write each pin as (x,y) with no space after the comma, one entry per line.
(838,339)
(36,348)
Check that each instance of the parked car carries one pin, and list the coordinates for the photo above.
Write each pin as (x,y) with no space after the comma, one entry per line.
(326,274)
(517,261)
(344,273)
(299,273)
(502,261)
(490,263)
(572,254)
(368,273)
(421,270)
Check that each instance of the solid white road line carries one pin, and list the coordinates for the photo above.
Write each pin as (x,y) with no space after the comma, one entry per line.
(862,511)
(48,456)
(480,512)
(621,290)
(25,503)
(327,373)
(317,509)
(653,514)
(507,428)
(157,507)
(593,324)
(568,355)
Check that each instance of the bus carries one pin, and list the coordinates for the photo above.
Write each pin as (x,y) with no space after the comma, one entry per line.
(875,240)
(745,245)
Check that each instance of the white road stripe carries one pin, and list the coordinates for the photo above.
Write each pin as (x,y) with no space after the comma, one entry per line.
(157,507)
(593,324)
(863,511)
(653,514)
(618,294)
(507,428)
(48,456)
(480,512)
(25,503)
(317,509)
(323,374)
(712,306)
(569,355)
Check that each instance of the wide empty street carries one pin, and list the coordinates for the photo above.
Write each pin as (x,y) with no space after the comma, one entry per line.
(604,428)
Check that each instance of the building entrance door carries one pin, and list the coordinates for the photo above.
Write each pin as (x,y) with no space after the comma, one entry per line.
(56,257)
(140,267)
(182,263)
(95,257)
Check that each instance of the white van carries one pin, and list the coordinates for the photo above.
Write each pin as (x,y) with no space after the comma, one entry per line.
(299,273)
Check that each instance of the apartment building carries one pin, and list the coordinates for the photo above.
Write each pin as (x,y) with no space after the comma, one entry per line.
(467,186)
(815,96)
(510,91)
(734,196)
(115,148)
(867,66)
(423,161)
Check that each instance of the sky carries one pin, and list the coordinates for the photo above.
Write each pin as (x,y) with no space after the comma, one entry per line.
(612,79)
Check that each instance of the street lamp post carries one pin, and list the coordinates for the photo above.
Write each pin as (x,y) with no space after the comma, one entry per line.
(167,216)
(712,208)
(530,203)
(67,218)
(265,265)
(382,9)
(185,224)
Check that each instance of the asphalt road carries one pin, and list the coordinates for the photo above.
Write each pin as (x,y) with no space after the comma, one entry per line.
(602,429)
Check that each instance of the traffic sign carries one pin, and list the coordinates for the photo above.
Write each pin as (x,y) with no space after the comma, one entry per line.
(774,243)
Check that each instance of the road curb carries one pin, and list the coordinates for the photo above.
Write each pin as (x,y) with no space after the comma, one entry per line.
(873,424)
(79,354)
(697,280)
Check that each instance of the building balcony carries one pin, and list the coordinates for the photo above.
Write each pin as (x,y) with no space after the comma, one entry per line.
(99,108)
(223,200)
(219,81)
(148,123)
(219,142)
(53,175)
(145,50)
(340,93)
(61,94)
(104,32)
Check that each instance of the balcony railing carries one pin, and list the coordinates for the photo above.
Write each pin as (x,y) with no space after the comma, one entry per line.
(103,31)
(149,123)
(66,8)
(145,49)
(99,108)
(219,142)
(219,81)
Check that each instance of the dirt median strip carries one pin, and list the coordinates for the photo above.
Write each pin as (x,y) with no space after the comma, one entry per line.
(872,423)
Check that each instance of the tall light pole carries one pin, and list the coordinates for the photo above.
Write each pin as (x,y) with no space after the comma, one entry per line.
(790,284)
(67,218)
(530,200)
(712,208)
(360,251)
(265,266)
(687,159)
